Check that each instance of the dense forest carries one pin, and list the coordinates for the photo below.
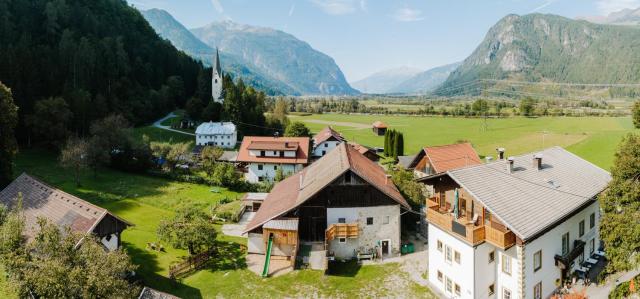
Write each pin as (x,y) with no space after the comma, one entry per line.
(76,61)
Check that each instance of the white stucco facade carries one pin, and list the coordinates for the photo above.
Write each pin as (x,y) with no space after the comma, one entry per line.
(257,172)
(385,226)
(220,134)
(475,272)
(323,148)
(110,242)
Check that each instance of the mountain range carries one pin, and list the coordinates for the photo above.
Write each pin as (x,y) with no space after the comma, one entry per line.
(383,81)
(263,57)
(622,17)
(548,48)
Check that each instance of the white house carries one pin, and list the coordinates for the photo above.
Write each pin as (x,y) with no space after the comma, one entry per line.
(514,228)
(265,155)
(221,134)
(325,141)
(343,203)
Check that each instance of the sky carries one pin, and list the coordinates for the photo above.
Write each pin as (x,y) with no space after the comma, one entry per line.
(367,36)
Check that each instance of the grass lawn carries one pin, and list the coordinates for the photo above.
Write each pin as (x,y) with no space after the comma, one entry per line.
(157,134)
(145,201)
(593,138)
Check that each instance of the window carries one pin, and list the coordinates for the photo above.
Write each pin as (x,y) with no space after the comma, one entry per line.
(456,288)
(439,275)
(439,246)
(449,285)
(342,240)
(581,258)
(447,253)
(456,257)
(492,256)
(537,291)
(581,228)
(261,153)
(506,264)
(342,220)
(275,167)
(537,260)
(326,145)
(385,220)
(323,153)
(592,220)
(565,244)
(492,289)
(506,294)
(369,220)
(592,246)
(347,175)
(260,167)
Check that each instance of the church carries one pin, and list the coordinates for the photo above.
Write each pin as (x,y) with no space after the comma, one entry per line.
(222,134)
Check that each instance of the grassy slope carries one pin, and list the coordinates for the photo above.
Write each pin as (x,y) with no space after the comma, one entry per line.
(593,138)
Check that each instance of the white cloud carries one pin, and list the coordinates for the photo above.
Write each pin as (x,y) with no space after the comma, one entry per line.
(408,15)
(543,5)
(292,9)
(218,6)
(363,5)
(608,6)
(337,7)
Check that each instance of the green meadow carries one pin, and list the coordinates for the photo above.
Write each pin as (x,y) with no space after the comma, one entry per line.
(593,138)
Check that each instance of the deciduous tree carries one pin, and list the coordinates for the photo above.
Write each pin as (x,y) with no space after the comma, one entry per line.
(635,111)
(297,129)
(189,229)
(209,155)
(74,156)
(8,144)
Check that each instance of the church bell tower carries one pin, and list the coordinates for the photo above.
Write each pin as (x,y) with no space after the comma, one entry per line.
(216,80)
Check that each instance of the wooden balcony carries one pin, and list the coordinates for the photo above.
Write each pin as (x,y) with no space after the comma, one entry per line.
(341,230)
(499,236)
(474,234)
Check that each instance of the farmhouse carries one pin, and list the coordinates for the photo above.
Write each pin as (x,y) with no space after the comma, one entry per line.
(514,228)
(379,128)
(343,204)
(437,159)
(325,141)
(62,209)
(265,155)
(221,134)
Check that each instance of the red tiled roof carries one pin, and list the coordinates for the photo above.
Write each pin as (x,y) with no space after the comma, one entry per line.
(299,144)
(379,124)
(326,134)
(298,188)
(360,148)
(61,208)
(452,156)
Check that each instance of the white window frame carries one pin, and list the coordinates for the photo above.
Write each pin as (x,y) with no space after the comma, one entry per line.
(506,293)
(537,290)
(457,257)
(342,240)
(439,246)
(537,260)
(448,254)
(506,264)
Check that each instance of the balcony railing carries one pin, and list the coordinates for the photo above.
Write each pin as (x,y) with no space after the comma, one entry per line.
(473,233)
(341,230)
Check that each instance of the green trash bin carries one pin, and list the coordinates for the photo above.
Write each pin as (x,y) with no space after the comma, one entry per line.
(410,248)
(403,249)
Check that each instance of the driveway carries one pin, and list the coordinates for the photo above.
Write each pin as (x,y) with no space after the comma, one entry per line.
(237,229)
(158,124)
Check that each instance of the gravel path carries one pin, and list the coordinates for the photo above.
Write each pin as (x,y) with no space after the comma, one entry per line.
(158,124)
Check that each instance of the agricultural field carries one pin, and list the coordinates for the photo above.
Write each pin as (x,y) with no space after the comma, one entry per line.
(593,138)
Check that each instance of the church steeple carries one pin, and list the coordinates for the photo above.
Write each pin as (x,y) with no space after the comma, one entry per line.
(216,80)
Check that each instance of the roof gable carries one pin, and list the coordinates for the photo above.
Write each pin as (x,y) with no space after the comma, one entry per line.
(298,144)
(327,134)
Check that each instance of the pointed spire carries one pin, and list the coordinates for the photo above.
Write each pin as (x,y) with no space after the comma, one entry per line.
(218,68)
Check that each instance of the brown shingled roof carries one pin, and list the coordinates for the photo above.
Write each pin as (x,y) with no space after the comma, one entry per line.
(62,209)
(326,134)
(299,144)
(379,124)
(298,188)
(448,157)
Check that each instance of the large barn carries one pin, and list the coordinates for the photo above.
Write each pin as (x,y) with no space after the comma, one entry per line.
(343,203)
(63,210)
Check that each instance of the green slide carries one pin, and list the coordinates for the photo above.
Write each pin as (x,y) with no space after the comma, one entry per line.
(267,258)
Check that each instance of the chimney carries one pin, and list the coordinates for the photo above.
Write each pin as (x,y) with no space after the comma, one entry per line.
(488,159)
(510,162)
(537,161)
(500,151)
(300,188)
(386,178)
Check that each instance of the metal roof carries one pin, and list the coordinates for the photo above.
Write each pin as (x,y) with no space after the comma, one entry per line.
(282,224)
(257,196)
(215,128)
(527,199)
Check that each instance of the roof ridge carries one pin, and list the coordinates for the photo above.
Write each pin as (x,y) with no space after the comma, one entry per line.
(448,145)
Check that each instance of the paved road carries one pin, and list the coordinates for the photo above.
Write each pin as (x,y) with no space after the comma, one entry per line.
(237,229)
(158,124)
(603,290)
